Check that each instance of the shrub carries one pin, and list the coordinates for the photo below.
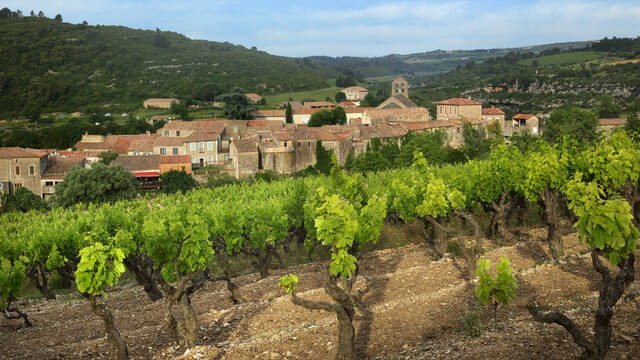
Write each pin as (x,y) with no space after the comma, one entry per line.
(498,290)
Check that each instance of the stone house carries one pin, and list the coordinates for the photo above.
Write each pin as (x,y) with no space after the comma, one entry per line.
(201,139)
(175,162)
(254,98)
(163,145)
(270,115)
(355,93)
(163,103)
(245,157)
(391,116)
(459,109)
(520,122)
(22,168)
(57,167)
(489,115)
(607,125)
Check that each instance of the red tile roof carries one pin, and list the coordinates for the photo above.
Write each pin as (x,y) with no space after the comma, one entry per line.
(175,159)
(492,111)
(522,116)
(458,101)
(357,110)
(263,113)
(57,166)
(306,111)
(17,152)
(253,96)
(264,123)
(357,88)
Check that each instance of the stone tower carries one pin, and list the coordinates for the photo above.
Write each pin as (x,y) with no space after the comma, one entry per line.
(400,86)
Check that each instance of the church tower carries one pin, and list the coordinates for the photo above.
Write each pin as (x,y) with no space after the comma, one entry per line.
(400,86)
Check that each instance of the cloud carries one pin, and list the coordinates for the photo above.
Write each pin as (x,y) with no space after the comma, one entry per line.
(392,11)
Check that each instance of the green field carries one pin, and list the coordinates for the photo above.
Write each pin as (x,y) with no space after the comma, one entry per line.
(311,95)
(564,59)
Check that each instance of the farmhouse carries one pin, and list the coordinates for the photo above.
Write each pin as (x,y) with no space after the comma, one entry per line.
(159,103)
(254,98)
(458,109)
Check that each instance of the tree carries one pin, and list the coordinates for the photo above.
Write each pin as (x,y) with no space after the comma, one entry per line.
(108,157)
(606,107)
(100,183)
(22,200)
(180,109)
(288,114)
(159,40)
(476,145)
(237,106)
(632,126)
(571,121)
(58,18)
(339,116)
(5,13)
(340,97)
(321,117)
(323,159)
(32,13)
(40,14)
(174,181)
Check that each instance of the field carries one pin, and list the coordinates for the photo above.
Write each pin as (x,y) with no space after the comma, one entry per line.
(411,310)
(568,58)
(311,95)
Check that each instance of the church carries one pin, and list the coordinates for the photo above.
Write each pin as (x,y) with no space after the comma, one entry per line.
(399,96)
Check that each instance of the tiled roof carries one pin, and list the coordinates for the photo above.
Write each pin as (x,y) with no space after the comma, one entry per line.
(84,154)
(253,96)
(161,99)
(57,166)
(142,145)
(138,163)
(200,124)
(318,103)
(120,143)
(203,136)
(356,110)
(264,123)
(269,113)
(357,88)
(492,111)
(18,152)
(306,111)
(612,122)
(404,100)
(90,145)
(522,116)
(175,159)
(169,141)
(458,101)
(245,145)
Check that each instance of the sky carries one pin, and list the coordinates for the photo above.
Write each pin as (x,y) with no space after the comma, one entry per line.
(358,27)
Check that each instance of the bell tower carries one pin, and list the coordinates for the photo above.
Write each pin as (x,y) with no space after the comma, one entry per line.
(400,86)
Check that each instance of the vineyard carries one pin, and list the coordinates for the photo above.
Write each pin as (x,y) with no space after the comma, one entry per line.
(183,249)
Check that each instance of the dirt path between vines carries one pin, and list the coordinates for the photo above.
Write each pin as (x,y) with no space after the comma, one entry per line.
(411,310)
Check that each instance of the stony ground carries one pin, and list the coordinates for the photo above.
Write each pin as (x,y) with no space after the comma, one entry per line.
(411,310)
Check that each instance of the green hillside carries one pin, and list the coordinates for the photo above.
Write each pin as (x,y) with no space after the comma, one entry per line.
(55,66)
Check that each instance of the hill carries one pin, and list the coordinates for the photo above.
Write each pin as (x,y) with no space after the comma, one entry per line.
(55,66)
(425,63)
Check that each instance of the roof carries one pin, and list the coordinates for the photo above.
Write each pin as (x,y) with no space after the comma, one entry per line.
(175,159)
(138,163)
(203,136)
(492,111)
(318,103)
(264,123)
(90,145)
(142,145)
(17,152)
(458,101)
(306,111)
(79,153)
(253,96)
(522,116)
(245,145)
(612,122)
(57,166)
(120,143)
(169,141)
(200,124)
(356,110)
(160,99)
(269,113)
(403,100)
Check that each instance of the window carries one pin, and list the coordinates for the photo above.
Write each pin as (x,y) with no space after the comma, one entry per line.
(201,147)
(193,159)
(192,146)
(175,151)
(285,144)
(32,170)
(17,170)
(226,158)
(210,160)
(1,186)
(166,133)
(177,132)
(309,143)
(163,151)
(17,185)
(48,183)
(210,145)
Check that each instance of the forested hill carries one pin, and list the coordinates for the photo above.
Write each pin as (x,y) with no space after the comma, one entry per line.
(58,66)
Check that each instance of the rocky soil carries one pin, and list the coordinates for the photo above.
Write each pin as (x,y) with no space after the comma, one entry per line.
(411,310)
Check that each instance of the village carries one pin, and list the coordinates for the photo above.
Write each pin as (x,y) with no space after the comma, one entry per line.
(243,148)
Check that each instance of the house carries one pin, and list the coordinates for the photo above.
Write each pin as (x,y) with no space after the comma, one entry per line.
(399,98)
(610,124)
(163,103)
(394,115)
(22,168)
(520,122)
(254,98)
(458,109)
(245,157)
(57,167)
(303,115)
(273,115)
(201,139)
(492,114)
(355,93)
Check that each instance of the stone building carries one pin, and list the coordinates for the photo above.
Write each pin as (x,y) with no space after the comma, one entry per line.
(489,115)
(459,109)
(254,98)
(270,115)
(391,116)
(22,168)
(355,93)
(608,125)
(399,98)
(520,122)
(245,157)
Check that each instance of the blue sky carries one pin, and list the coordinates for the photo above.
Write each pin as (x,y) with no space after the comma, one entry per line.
(357,27)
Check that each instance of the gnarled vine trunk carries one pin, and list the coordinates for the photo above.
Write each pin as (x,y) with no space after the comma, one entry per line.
(344,310)
(501,212)
(113,336)
(13,313)
(40,278)
(470,254)
(551,203)
(611,290)
(183,327)
(142,267)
